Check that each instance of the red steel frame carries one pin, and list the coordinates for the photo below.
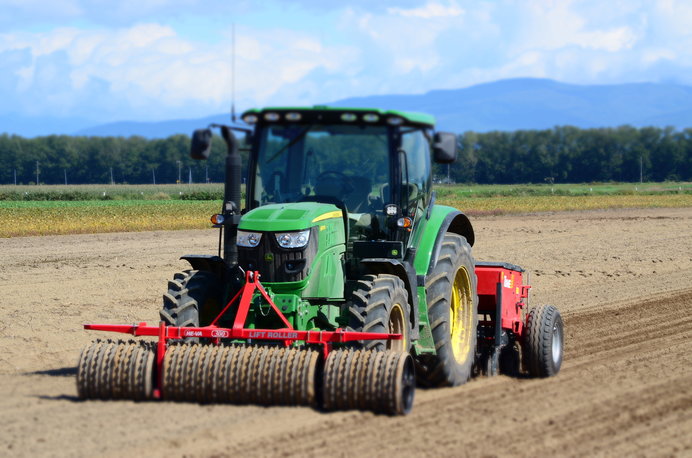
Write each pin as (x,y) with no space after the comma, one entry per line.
(501,292)
(288,334)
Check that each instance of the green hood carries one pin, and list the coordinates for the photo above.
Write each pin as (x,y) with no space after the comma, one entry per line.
(288,217)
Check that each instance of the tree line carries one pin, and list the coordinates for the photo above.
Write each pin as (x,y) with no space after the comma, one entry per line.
(561,155)
(572,155)
(63,159)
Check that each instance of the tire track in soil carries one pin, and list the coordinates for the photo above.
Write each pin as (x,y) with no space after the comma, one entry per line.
(625,389)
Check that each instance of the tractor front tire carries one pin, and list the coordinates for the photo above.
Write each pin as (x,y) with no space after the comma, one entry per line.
(193,299)
(543,341)
(379,303)
(452,310)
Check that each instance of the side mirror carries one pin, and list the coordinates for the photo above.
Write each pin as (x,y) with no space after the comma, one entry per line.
(444,147)
(201,144)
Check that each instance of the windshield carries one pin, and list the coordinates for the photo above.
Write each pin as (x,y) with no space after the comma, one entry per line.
(339,163)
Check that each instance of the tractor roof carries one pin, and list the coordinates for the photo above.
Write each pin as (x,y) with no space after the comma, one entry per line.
(336,114)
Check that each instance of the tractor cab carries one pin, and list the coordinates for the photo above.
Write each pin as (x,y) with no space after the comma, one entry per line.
(374,165)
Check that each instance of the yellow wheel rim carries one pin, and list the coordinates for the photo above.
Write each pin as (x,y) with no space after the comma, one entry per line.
(461,315)
(397,325)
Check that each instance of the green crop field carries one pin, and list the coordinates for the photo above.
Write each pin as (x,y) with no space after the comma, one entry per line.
(53,210)
(215,191)
(469,191)
(111,192)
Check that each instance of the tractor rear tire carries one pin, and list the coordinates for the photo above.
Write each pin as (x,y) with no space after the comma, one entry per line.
(544,341)
(193,299)
(453,313)
(379,303)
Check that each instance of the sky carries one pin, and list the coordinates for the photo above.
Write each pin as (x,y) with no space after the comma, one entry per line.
(149,60)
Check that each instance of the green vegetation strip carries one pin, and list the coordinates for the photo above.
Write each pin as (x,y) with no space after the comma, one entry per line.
(627,189)
(111,192)
(81,217)
(215,191)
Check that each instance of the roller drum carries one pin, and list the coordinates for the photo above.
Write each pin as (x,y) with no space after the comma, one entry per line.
(240,374)
(380,381)
(116,370)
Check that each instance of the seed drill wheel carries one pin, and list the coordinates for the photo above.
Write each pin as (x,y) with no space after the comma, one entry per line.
(380,304)
(380,381)
(452,308)
(544,341)
(193,299)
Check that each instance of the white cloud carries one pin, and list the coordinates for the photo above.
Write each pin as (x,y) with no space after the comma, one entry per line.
(584,41)
(677,15)
(558,24)
(653,55)
(429,10)
(610,40)
(403,41)
(157,70)
(150,69)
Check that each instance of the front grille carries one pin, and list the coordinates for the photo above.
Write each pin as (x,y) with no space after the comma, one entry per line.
(276,264)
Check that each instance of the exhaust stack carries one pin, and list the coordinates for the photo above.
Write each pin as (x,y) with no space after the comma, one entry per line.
(200,150)
(231,198)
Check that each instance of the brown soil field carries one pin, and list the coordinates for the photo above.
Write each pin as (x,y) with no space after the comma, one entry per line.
(621,278)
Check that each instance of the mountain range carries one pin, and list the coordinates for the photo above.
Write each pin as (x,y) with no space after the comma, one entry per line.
(511,104)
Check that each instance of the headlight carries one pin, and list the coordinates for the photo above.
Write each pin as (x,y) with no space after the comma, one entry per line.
(249,239)
(293,239)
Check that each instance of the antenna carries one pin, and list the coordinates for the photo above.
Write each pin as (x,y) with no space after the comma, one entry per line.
(233,72)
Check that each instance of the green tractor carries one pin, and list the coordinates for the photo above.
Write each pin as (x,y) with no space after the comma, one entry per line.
(340,221)
(339,283)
